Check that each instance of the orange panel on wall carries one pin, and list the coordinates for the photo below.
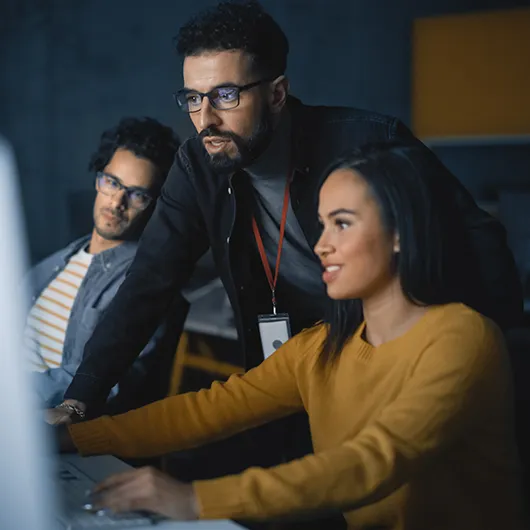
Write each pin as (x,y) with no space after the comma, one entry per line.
(471,75)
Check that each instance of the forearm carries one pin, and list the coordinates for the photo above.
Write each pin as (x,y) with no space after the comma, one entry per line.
(341,479)
(188,420)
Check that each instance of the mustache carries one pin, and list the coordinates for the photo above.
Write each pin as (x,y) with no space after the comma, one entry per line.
(114,212)
(212,131)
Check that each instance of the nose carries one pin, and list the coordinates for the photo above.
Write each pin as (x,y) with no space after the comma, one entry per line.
(119,200)
(323,247)
(208,116)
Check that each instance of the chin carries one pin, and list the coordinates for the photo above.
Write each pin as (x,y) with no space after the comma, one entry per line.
(335,294)
(222,161)
(110,235)
(338,293)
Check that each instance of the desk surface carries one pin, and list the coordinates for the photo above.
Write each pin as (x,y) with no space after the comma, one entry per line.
(100,467)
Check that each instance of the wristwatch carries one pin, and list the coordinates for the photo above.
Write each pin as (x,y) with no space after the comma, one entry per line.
(73,409)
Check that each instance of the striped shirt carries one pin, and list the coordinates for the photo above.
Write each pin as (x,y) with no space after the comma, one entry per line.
(48,318)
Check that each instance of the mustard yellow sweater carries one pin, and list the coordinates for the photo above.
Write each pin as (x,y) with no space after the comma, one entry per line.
(415,434)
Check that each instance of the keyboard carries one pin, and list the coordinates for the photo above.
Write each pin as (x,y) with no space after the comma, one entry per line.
(76,488)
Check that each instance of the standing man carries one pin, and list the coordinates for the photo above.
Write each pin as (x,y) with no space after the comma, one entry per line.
(73,287)
(245,186)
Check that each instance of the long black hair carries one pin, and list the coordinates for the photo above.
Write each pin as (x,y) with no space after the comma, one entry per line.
(410,188)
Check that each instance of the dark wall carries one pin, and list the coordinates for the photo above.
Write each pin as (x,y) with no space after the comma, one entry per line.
(70,69)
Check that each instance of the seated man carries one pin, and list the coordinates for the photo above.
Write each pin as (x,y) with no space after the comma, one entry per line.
(73,287)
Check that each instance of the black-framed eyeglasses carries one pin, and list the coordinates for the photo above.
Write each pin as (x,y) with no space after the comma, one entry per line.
(137,197)
(221,98)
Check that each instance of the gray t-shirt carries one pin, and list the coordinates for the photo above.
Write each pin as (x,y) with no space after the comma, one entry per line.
(300,275)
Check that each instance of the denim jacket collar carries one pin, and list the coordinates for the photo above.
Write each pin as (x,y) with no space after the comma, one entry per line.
(107,258)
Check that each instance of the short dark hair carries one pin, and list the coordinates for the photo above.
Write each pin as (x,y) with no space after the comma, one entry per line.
(410,187)
(145,137)
(237,26)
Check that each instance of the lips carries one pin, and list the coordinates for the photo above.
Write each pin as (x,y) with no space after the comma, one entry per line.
(330,273)
(109,216)
(215,144)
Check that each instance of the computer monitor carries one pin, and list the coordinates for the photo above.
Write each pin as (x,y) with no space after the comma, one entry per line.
(34,487)
(26,493)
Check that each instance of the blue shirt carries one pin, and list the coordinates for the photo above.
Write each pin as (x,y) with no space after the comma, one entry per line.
(148,377)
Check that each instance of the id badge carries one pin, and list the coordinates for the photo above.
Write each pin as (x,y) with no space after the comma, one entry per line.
(274,330)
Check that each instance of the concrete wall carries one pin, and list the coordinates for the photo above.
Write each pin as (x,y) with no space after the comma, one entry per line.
(69,69)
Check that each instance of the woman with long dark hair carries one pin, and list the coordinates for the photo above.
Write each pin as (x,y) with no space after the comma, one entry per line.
(410,412)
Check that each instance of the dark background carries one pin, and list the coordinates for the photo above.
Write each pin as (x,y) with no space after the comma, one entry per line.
(71,68)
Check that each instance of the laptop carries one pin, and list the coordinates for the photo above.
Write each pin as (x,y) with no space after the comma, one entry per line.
(39,489)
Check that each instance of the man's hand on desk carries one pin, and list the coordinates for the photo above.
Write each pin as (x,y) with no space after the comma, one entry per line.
(147,489)
(67,412)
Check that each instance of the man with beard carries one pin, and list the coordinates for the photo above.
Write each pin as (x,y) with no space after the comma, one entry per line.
(73,287)
(246,187)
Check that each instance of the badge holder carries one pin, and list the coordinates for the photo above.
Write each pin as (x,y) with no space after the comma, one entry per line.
(274,330)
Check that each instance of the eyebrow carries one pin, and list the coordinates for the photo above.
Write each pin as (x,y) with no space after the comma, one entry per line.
(228,84)
(340,211)
(107,174)
(147,191)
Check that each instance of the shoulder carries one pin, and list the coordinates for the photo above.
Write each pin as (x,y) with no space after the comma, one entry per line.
(64,253)
(190,155)
(461,335)
(336,115)
(308,343)
(313,335)
(463,320)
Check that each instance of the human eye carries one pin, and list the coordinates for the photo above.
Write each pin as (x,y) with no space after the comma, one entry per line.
(227,94)
(193,99)
(111,182)
(342,224)
(139,198)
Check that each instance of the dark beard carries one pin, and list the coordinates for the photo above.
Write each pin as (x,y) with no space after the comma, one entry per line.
(125,232)
(248,149)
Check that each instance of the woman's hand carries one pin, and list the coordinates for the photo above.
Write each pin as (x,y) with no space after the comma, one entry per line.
(146,489)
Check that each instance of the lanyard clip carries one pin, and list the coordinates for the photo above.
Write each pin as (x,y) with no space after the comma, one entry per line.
(273,302)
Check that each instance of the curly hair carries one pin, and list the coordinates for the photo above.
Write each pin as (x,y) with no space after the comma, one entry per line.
(237,25)
(145,137)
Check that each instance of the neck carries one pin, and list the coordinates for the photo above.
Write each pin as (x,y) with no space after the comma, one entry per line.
(275,159)
(99,244)
(388,314)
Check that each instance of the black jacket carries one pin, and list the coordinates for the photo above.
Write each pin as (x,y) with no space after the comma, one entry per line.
(197,210)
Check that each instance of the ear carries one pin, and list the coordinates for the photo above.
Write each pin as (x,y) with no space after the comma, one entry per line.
(278,94)
(397,247)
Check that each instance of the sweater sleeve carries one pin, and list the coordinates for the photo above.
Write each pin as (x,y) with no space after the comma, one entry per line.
(267,392)
(451,385)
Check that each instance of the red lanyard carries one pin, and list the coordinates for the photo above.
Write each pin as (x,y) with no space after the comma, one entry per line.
(261,248)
